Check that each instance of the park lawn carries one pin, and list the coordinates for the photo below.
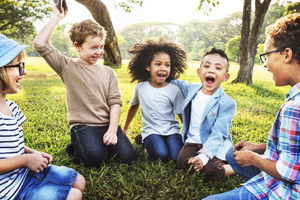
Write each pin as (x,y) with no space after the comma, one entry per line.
(42,98)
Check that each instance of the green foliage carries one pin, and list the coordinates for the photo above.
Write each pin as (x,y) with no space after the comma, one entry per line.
(17,17)
(205,5)
(260,50)
(292,8)
(42,98)
(126,5)
(275,11)
(61,41)
(232,48)
(138,32)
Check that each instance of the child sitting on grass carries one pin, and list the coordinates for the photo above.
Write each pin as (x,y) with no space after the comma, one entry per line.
(207,118)
(93,96)
(154,65)
(26,173)
(276,174)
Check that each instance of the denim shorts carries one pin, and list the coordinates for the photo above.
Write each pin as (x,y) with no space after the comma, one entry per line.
(53,183)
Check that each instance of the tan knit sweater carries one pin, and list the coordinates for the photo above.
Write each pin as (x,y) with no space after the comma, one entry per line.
(91,89)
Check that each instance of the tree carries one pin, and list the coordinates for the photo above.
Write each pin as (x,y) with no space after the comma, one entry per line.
(100,13)
(249,37)
(17,17)
(275,11)
(292,8)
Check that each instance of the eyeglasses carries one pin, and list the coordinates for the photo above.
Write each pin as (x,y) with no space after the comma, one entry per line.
(263,56)
(21,66)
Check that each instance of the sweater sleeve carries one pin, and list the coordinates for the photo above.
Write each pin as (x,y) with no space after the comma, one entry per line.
(57,61)
(114,93)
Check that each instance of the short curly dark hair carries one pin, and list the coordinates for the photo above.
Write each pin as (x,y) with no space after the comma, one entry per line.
(220,52)
(143,54)
(285,32)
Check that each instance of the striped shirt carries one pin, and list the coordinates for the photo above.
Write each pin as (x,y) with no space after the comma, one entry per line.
(11,144)
(283,146)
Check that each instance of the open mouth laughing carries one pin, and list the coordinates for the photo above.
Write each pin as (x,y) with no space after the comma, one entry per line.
(209,80)
(161,76)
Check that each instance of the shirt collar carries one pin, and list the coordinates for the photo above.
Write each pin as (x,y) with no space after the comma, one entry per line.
(293,92)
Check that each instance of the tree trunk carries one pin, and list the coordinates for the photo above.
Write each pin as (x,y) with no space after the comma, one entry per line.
(249,40)
(100,13)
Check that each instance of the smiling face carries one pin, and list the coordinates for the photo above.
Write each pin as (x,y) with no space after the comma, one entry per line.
(275,64)
(212,73)
(14,76)
(91,50)
(159,69)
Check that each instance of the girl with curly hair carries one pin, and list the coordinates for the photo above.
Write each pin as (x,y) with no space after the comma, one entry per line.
(154,65)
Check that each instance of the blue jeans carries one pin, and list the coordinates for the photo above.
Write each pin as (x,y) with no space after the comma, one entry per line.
(90,149)
(53,183)
(163,147)
(245,172)
(237,194)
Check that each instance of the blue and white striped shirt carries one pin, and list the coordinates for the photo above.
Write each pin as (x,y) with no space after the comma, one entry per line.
(11,144)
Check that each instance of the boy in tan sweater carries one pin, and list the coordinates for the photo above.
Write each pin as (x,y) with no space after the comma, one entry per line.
(93,95)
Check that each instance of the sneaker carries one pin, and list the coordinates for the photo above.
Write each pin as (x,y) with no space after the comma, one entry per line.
(138,139)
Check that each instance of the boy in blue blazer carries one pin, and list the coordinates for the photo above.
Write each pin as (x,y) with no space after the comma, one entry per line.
(207,117)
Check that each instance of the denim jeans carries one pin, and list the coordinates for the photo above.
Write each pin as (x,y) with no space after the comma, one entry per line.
(245,172)
(163,147)
(90,149)
(237,194)
(53,183)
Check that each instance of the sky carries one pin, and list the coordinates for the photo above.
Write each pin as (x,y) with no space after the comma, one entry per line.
(175,11)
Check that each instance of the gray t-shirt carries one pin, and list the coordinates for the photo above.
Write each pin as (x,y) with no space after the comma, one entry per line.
(159,107)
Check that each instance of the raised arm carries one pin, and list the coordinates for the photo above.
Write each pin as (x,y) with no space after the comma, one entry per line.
(44,35)
(130,115)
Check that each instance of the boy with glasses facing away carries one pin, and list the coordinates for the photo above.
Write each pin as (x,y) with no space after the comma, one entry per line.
(93,96)
(276,174)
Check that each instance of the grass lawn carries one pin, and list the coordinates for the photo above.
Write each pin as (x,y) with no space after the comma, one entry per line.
(42,98)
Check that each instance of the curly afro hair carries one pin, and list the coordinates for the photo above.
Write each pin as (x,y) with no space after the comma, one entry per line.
(285,32)
(143,54)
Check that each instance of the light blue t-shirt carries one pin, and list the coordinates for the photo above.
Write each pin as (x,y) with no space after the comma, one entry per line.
(159,107)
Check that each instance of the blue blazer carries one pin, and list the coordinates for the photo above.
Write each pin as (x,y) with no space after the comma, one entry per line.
(216,120)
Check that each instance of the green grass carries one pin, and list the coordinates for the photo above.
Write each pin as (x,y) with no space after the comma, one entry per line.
(43,100)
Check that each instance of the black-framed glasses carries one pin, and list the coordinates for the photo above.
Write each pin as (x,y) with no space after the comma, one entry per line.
(263,56)
(21,66)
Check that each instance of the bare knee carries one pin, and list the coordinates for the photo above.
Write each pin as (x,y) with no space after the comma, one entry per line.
(74,194)
(228,171)
(79,183)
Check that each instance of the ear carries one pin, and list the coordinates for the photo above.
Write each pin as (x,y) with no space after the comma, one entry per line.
(198,71)
(226,77)
(148,68)
(288,55)
(77,46)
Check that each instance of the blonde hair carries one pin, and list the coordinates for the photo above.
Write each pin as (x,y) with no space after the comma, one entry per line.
(80,30)
(5,80)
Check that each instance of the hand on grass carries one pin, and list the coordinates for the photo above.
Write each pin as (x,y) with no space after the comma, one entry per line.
(196,162)
(110,138)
